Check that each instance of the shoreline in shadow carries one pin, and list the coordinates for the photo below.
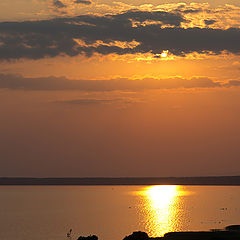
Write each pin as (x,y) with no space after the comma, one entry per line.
(210,180)
(231,232)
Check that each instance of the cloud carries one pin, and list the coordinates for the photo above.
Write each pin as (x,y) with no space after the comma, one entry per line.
(232,83)
(209,22)
(58,4)
(87,2)
(94,101)
(9,81)
(152,31)
(87,101)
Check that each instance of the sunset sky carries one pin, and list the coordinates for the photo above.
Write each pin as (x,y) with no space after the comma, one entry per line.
(119,88)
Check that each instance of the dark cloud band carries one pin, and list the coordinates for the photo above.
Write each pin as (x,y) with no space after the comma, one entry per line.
(9,81)
(153,31)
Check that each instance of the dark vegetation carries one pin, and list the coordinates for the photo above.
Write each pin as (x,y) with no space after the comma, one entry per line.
(92,237)
(229,233)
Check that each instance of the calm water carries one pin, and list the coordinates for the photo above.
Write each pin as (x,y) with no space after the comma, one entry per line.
(112,212)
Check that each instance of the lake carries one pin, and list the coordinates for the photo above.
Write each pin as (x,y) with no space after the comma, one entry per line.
(112,212)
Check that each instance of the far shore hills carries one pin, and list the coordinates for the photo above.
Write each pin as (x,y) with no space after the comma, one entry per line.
(97,181)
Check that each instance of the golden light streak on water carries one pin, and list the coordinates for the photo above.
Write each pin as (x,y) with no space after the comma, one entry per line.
(161,209)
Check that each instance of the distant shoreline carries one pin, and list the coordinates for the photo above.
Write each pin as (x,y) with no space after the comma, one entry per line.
(207,181)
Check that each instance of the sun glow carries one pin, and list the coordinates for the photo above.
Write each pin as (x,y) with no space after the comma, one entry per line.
(164,53)
(161,196)
(161,209)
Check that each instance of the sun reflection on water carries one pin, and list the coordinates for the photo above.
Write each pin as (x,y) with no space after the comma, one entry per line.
(161,210)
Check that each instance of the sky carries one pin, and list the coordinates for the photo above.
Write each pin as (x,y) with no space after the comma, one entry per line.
(99,88)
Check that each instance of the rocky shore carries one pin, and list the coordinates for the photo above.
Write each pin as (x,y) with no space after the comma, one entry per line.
(229,233)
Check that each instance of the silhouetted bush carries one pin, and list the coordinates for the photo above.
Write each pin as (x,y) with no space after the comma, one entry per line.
(91,237)
(137,236)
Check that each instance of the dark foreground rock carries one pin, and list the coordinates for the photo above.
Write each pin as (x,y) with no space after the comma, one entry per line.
(215,235)
(229,233)
(233,228)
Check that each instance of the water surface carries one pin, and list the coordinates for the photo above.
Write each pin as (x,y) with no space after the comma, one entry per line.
(112,212)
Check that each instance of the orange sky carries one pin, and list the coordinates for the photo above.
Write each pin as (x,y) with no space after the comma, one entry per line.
(85,91)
